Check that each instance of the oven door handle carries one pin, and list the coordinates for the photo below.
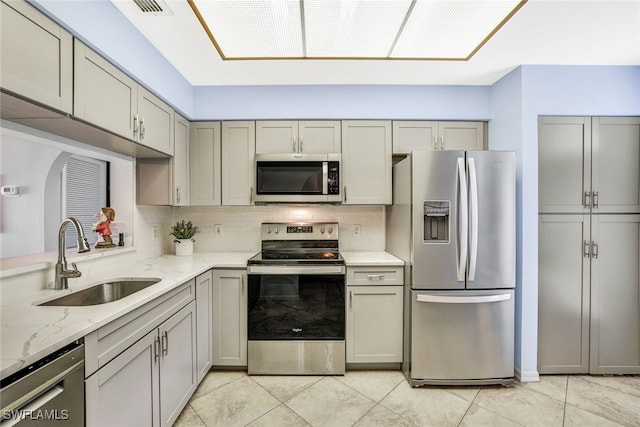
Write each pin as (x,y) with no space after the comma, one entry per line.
(288,269)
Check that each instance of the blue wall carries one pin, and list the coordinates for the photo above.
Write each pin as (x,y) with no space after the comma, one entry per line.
(516,102)
(342,102)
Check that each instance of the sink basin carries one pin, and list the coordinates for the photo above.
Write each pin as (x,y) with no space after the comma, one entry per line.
(104,292)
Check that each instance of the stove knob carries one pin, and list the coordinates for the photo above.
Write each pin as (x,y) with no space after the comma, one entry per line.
(277,230)
(268,230)
(330,230)
(321,230)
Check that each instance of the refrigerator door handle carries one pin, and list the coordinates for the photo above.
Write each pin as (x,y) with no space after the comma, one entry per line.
(473,207)
(445,299)
(463,221)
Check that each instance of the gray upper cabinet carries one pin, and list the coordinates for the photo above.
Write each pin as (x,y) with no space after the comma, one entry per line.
(180,162)
(36,56)
(108,98)
(564,152)
(204,163)
(290,136)
(433,135)
(366,162)
(238,149)
(589,164)
(615,174)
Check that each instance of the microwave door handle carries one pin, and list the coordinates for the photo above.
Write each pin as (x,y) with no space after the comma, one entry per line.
(325,177)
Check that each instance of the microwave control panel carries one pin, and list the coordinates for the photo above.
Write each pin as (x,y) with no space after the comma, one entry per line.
(333,178)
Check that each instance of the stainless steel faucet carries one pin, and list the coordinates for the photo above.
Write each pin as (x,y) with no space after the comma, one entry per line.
(62,273)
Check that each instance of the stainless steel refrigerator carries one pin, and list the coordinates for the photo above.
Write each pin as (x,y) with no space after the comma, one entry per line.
(453,223)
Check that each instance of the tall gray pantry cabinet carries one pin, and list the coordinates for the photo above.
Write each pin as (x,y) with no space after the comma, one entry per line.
(589,245)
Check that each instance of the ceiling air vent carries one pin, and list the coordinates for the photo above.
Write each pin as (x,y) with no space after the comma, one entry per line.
(153,7)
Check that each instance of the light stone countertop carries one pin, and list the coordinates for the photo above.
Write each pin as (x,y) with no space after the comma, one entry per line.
(370,258)
(29,332)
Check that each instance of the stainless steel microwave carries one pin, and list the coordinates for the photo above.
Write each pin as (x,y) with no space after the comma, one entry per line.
(298,178)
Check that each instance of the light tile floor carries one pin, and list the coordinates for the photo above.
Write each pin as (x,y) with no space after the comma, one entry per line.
(384,398)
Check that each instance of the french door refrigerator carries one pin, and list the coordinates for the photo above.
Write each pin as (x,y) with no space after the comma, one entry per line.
(453,223)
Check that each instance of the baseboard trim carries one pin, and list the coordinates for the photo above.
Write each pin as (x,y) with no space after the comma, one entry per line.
(527,376)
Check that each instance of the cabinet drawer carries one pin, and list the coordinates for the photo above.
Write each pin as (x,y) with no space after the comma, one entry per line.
(379,275)
(105,343)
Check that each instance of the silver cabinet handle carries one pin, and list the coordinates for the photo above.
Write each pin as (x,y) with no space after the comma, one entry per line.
(594,250)
(135,125)
(142,128)
(156,348)
(250,195)
(435,142)
(345,194)
(242,285)
(595,200)
(587,199)
(442,142)
(350,299)
(293,147)
(375,276)
(165,343)
(587,249)
(178,195)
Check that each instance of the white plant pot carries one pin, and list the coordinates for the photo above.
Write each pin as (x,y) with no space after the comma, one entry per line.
(184,247)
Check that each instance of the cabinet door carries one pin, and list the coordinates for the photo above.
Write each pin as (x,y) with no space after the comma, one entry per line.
(36,56)
(563,294)
(204,161)
(103,95)
(155,122)
(564,162)
(204,323)
(615,295)
(461,135)
(229,318)
(319,137)
(277,136)
(125,392)
(615,179)
(180,162)
(238,149)
(414,135)
(374,324)
(366,162)
(178,363)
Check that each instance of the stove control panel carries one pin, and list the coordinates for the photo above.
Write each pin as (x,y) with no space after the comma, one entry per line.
(299,231)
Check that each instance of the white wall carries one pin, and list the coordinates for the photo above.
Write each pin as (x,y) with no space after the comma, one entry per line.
(26,159)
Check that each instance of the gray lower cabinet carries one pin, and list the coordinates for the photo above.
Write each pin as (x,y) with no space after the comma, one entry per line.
(229,317)
(563,294)
(141,368)
(374,314)
(204,323)
(589,294)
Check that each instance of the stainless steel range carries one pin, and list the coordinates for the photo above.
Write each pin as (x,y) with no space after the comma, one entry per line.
(296,306)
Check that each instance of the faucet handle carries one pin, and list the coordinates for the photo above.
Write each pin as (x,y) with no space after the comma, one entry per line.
(75,267)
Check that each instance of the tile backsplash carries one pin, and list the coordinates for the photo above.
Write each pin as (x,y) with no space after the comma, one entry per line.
(239,226)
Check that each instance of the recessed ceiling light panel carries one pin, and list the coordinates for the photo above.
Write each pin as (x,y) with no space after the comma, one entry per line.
(450,29)
(352,28)
(254,28)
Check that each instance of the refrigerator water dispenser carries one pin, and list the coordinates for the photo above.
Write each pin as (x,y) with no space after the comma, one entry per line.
(436,221)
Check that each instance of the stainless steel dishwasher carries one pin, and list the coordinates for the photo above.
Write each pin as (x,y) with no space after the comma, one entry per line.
(49,392)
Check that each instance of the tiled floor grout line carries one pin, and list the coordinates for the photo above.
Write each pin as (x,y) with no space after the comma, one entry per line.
(566,391)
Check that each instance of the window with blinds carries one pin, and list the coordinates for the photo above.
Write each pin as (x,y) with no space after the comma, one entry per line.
(84,188)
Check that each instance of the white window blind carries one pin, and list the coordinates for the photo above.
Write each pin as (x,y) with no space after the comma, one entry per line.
(84,187)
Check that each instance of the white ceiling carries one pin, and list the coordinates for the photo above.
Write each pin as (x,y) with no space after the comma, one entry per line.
(549,32)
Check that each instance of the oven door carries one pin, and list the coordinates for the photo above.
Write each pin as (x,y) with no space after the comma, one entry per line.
(296,306)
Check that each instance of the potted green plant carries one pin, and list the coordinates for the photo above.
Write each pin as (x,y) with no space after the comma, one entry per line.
(183,231)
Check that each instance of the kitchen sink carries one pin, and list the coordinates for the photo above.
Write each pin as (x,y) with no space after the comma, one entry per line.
(104,292)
